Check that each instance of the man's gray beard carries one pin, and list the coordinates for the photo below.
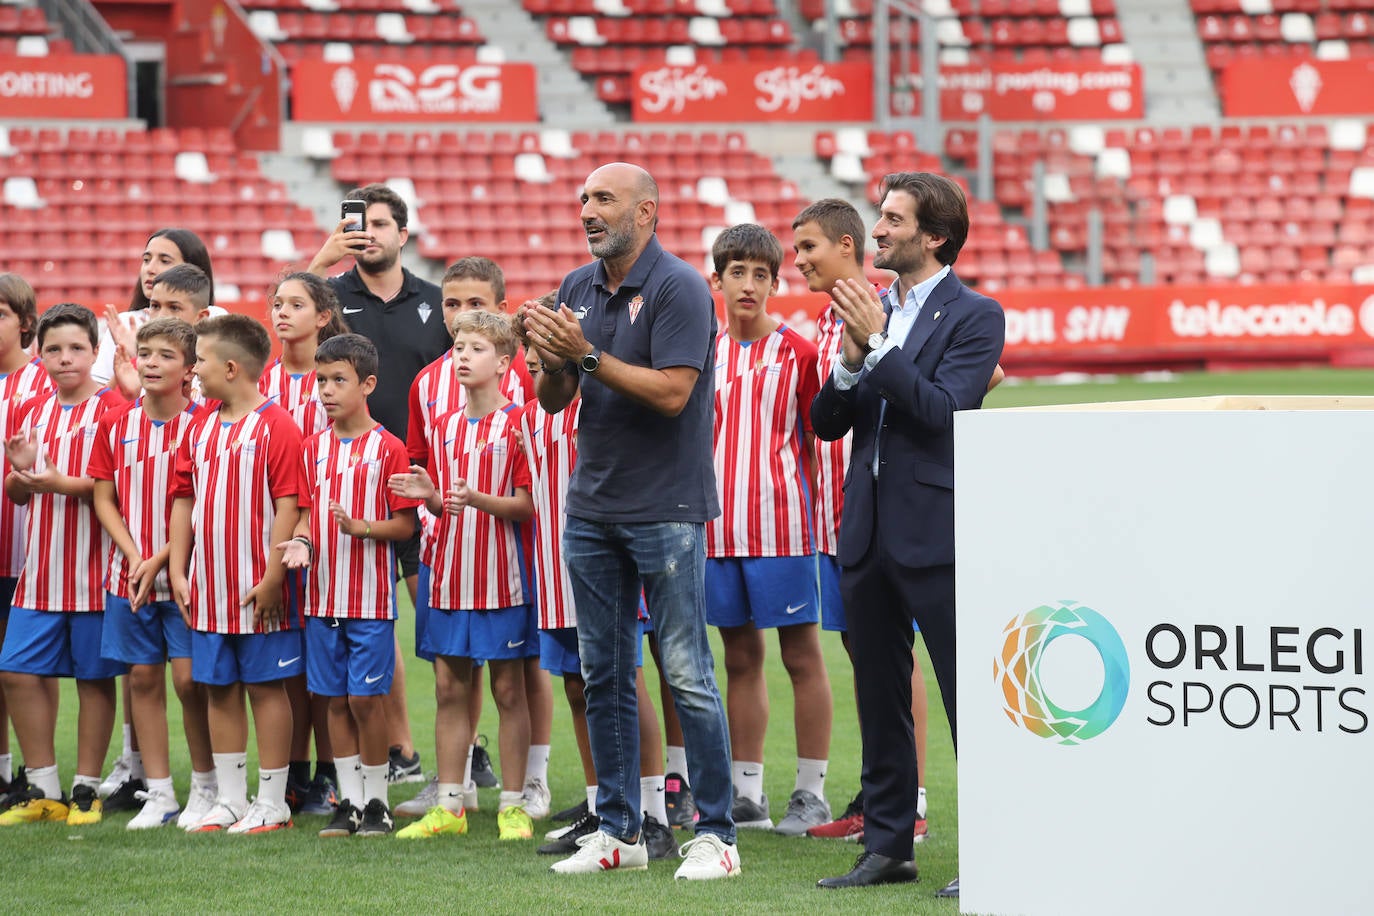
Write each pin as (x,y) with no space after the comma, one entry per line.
(614,245)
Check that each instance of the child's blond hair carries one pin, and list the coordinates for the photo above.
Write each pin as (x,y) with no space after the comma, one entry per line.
(498,329)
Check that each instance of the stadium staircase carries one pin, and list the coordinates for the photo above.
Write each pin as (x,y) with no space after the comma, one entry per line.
(1165,42)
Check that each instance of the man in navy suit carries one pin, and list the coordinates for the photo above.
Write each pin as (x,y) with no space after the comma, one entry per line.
(910,361)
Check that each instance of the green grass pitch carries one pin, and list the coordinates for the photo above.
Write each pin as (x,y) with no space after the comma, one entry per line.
(52,868)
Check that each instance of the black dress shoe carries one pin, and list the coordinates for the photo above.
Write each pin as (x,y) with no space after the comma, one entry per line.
(949,890)
(871,869)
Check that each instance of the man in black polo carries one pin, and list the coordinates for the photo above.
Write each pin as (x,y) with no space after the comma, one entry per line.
(403,316)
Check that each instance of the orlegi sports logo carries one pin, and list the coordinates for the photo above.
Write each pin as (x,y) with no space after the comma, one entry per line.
(1020,671)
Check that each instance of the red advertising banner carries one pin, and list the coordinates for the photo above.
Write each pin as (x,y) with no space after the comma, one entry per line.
(1036,92)
(64,86)
(753,92)
(1282,86)
(1161,324)
(423,91)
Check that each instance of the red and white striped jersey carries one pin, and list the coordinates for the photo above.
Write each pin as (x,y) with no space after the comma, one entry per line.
(436,392)
(295,393)
(764,391)
(139,453)
(64,567)
(351,577)
(550,443)
(475,558)
(16,387)
(832,458)
(235,471)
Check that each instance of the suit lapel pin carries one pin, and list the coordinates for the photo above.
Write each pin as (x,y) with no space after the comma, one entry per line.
(937,317)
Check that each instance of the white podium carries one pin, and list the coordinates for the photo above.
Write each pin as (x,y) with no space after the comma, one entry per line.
(1166,657)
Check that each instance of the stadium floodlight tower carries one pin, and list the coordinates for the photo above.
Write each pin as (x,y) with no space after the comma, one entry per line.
(905,13)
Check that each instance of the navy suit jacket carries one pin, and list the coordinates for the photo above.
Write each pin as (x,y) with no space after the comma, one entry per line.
(943,366)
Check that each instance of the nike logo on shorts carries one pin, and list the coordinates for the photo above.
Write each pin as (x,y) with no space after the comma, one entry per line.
(288,662)
(514,645)
(792,609)
(372,680)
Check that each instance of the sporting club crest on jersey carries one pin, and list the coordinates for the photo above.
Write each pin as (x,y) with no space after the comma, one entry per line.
(424,309)
(636,304)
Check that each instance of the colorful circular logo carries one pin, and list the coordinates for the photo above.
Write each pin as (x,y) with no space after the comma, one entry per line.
(1017,672)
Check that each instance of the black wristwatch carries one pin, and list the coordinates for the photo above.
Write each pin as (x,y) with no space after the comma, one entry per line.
(592,361)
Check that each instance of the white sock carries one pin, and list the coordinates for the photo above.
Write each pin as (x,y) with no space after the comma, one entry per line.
(136,764)
(467,767)
(677,762)
(537,764)
(451,796)
(374,782)
(79,780)
(162,787)
(921,804)
(205,781)
(811,776)
(653,799)
(45,778)
(591,799)
(510,800)
(6,767)
(748,779)
(350,780)
(272,785)
(126,748)
(231,772)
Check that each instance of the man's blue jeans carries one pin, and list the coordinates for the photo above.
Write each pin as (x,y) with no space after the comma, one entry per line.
(607,564)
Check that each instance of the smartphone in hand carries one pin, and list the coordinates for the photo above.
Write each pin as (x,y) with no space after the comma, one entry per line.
(355,213)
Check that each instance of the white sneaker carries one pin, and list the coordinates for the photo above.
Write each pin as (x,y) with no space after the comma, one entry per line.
(123,771)
(222,815)
(708,857)
(599,851)
(262,816)
(198,804)
(420,804)
(537,798)
(469,796)
(158,809)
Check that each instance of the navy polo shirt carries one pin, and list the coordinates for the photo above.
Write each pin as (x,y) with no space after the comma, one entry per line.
(635,465)
(408,332)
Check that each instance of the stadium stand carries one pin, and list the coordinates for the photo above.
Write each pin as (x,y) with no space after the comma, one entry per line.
(26,31)
(990,30)
(79,205)
(1255,203)
(527,185)
(385,29)
(997,255)
(608,39)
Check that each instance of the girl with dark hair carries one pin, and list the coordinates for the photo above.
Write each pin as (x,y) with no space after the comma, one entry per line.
(165,248)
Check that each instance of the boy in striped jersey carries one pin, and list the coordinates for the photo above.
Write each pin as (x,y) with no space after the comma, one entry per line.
(478,488)
(132,462)
(345,536)
(234,491)
(59,603)
(761,565)
(22,377)
(473,284)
